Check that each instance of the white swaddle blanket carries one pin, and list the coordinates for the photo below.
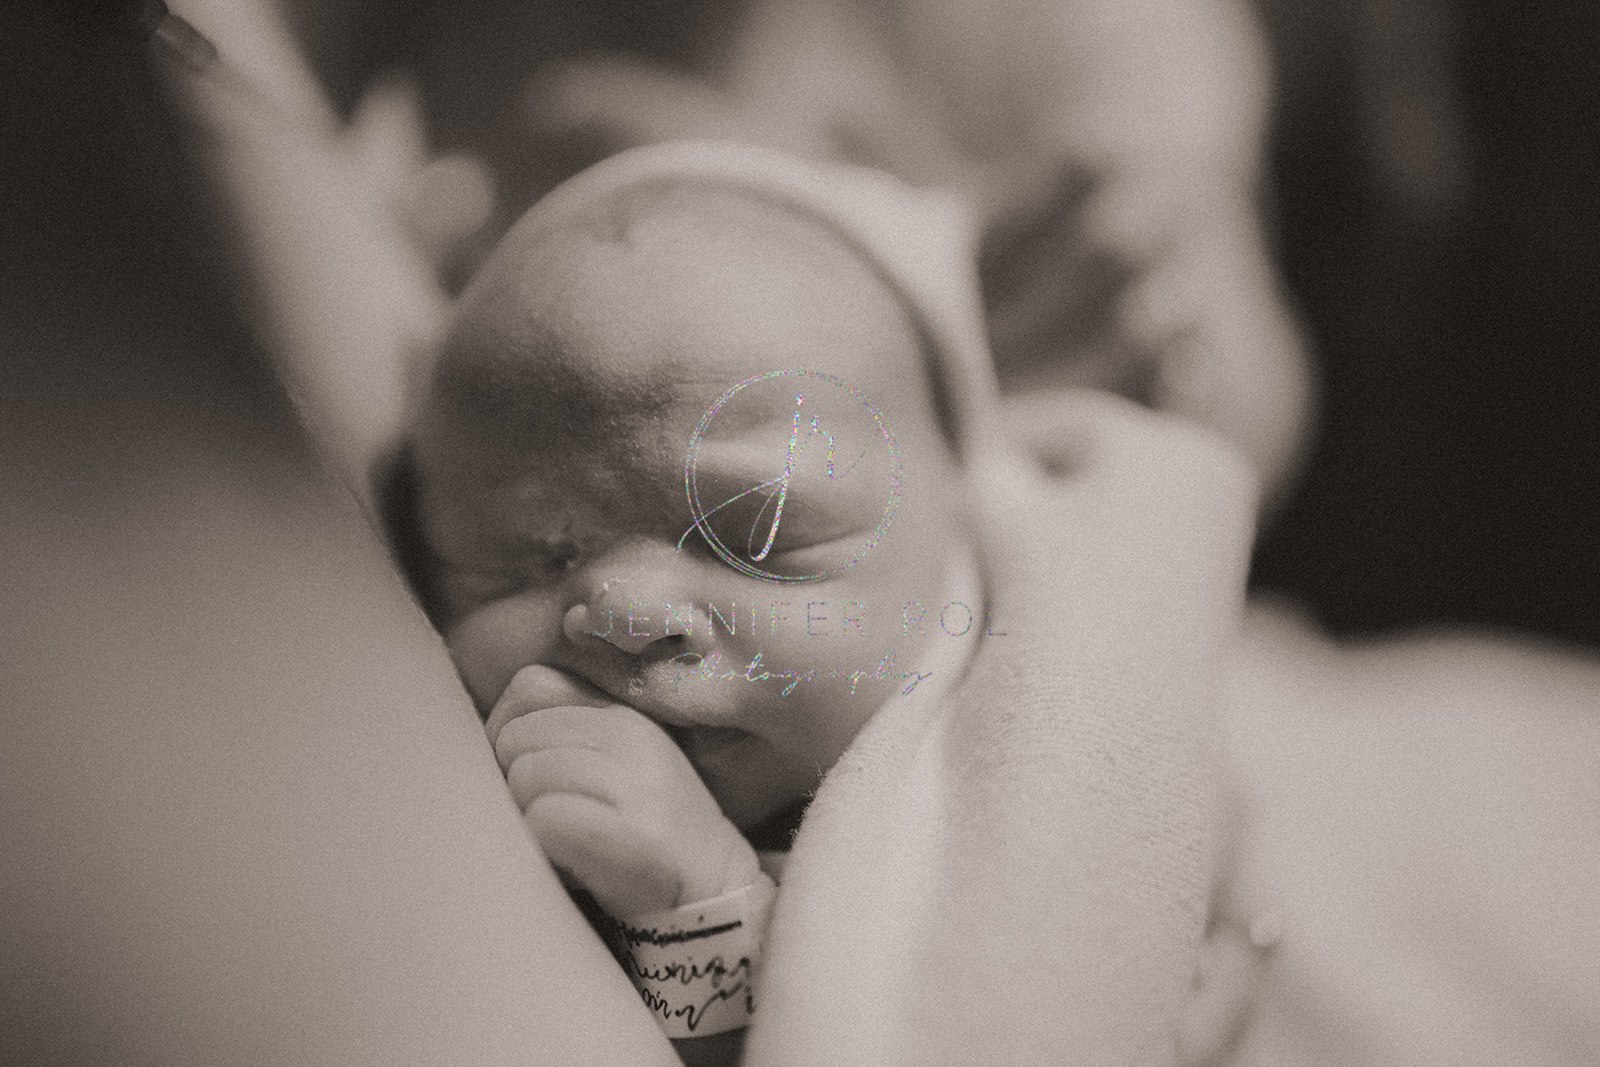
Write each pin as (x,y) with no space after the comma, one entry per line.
(1020,871)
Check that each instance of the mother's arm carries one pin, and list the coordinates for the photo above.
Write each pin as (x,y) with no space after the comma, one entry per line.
(248,814)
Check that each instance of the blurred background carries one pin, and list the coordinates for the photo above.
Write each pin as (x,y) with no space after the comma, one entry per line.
(1438,174)
(1435,181)
(1434,193)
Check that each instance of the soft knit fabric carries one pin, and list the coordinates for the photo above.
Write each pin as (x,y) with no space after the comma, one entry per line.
(1020,874)
(1020,870)
(1424,817)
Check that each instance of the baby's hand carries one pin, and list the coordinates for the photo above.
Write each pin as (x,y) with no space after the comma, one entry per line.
(611,799)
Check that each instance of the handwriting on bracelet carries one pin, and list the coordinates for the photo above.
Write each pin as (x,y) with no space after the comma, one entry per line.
(691,1014)
(714,970)
(649,935)
(664,984)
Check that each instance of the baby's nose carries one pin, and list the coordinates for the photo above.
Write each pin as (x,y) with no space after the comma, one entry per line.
(628,617)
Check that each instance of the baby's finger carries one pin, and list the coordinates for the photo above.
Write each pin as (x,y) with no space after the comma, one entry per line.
(626,869)
(578,771)
(535,688)
(616,729)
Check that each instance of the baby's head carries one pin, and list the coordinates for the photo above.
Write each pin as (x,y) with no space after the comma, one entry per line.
(677,335)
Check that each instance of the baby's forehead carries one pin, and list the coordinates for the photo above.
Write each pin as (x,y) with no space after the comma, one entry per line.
(666,291)
(592,346)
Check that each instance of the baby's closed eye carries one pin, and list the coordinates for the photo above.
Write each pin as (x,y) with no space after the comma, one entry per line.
(773,525)
(533,566)
(796,539)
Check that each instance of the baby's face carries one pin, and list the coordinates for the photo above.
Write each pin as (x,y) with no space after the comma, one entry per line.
(611,483)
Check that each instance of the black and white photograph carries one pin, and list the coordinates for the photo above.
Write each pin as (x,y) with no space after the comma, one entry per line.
(800,533)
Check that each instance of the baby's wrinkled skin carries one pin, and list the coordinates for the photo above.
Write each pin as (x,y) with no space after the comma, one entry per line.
(550,465)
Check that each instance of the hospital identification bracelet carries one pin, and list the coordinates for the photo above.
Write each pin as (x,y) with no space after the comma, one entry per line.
(694,966)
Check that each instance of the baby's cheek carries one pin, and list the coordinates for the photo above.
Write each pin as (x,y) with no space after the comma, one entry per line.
(491,644)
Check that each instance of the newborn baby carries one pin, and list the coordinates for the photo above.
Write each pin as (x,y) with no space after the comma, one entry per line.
(691,475)
(692,515)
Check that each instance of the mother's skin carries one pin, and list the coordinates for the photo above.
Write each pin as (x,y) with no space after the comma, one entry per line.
(249,816)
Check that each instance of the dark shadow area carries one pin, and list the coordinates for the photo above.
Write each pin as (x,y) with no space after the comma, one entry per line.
(1457,477)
